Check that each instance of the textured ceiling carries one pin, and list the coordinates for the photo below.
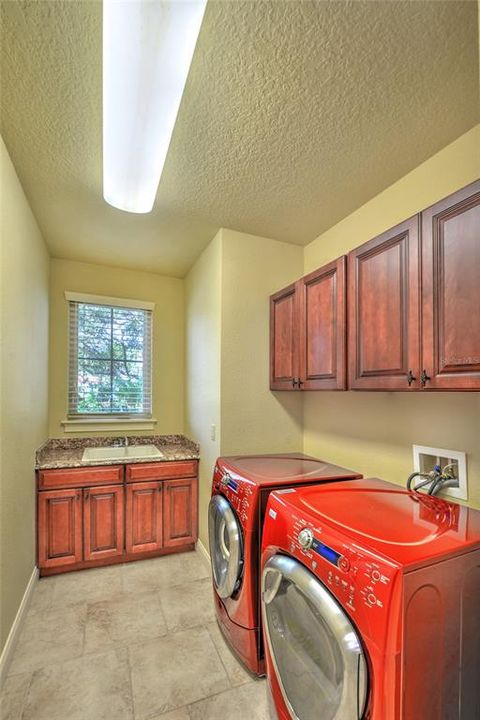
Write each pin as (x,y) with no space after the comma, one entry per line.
(294,114)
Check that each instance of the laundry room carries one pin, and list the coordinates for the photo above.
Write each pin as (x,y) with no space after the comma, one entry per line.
(240,360)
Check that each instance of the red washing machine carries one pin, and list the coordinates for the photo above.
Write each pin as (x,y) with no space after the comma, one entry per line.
(240,490)
(371,604)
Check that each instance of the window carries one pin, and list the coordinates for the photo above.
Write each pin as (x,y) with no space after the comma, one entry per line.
(109,357)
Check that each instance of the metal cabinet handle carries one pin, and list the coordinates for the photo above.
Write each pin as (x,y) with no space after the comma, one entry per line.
(159,487)
(424,378)
(410,377)
(77,496)
(294,382)
(87,494)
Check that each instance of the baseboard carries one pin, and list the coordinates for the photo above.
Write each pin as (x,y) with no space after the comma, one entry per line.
(9,647)
(203,551)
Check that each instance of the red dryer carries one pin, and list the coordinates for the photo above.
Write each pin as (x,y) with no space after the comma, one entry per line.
(371,604)
(240,490)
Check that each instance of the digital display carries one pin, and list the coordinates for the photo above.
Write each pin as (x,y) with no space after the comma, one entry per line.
(326,552)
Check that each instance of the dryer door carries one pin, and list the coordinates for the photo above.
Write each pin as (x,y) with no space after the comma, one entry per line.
(318,658)
(226,551)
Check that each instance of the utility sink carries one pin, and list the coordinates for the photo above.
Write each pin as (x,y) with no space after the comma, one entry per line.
(121,453)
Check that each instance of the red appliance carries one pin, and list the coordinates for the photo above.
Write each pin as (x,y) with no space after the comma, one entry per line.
(240,490)
(371,604)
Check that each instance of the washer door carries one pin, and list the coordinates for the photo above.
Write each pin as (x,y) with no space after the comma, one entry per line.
(226,551)
(318,658)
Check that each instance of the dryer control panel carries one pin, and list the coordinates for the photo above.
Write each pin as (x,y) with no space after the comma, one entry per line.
(238,492)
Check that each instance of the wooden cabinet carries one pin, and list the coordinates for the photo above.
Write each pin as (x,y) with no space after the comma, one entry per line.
(451,292)
(144,517)
(307,332)
(384,311)
(92,525)
(413,312)
(103,522)
(284,341)
(180,516)
(60,528)
(323,328)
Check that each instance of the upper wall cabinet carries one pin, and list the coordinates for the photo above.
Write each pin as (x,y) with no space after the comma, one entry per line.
(413,311)
(307,332)
(451,292)
(384,311)
(284,339)
(323,328)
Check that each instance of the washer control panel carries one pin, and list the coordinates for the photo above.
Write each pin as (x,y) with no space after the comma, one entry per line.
(358,577)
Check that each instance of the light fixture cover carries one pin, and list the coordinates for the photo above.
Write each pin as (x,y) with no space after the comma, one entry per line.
(148,47)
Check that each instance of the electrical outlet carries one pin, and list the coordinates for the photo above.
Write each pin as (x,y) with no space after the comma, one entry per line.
(213,432)
(425,458)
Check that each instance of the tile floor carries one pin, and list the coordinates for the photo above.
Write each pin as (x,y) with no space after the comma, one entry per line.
(130,642)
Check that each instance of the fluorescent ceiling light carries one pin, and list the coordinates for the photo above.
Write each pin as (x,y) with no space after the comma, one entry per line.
(148,47)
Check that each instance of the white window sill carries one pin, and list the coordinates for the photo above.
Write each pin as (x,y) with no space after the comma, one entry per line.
(84,425)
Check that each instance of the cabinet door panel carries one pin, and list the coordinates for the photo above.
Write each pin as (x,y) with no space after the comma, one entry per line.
(323,326)
(384,326)
(103,522)
(144,517)
(283,338)
(59,528)
(180,516)
(451,292)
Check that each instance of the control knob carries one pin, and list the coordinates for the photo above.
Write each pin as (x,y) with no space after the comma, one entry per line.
(305,538)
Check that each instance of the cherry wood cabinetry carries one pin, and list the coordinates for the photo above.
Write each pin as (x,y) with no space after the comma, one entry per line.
(451,292)
(103,522)
(307,332)
(144,517)
(60,527)
(90,525)
(384,311)
(413,312)
(323,328)
(284,341)
(180,520)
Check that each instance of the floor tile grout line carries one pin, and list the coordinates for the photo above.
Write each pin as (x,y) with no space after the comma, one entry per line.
(220,657)
(132,694)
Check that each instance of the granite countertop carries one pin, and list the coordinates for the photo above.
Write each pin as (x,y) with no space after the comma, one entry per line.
(67,452)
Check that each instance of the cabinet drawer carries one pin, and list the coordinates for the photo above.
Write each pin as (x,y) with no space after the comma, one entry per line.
(161,470)
(80,477)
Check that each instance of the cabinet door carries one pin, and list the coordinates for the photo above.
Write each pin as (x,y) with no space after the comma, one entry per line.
(144,517)
(451,292)
(323,328)
(59,527)
(103,522)
(384,307)
(284,360)
(180,514)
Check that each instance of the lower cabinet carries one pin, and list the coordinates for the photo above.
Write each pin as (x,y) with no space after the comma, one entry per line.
(103,522)
(95,525)
(180,519)
(60,528)
(144,517)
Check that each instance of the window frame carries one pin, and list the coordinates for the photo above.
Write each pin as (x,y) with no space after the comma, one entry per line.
(72,359)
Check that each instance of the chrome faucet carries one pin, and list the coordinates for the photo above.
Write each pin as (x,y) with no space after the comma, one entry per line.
(126,441)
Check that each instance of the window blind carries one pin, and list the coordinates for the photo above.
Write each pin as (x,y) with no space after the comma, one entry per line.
(110,350)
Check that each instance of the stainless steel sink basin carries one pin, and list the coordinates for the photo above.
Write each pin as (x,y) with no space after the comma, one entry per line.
(121,453)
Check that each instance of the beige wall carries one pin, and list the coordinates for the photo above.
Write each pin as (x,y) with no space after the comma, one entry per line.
(253,418)
(24,374)
(168,335)
(202,367)
(227,330)
(374,432)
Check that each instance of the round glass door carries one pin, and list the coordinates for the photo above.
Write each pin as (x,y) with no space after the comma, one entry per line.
(225,540)
(317,655)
